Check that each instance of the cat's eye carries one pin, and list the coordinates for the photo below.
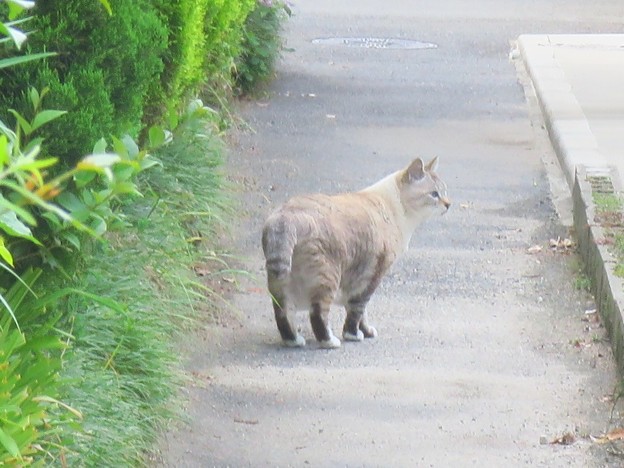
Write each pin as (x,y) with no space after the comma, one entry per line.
(435,194)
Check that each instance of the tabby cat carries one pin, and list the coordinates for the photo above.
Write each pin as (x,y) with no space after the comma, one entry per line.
(323,249)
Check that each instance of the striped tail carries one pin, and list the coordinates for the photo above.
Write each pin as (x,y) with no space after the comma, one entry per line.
(279,237)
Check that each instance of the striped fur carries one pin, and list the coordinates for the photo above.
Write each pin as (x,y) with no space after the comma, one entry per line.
(323,249)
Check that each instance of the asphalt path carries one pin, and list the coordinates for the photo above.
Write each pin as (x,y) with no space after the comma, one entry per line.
(486,350)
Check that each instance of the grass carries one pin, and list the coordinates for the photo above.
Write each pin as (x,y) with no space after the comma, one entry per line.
(582,282)
(609,208)
(122,372)
(607,202)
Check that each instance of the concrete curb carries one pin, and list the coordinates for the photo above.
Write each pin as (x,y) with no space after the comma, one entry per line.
(599,263)
(582,164)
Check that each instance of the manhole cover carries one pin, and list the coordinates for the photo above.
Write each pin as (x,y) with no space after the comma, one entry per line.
(376,42)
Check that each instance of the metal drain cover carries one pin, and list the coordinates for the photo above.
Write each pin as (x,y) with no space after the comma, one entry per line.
(375,42)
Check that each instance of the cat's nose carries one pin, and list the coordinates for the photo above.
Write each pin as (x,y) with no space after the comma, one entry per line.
(446,202)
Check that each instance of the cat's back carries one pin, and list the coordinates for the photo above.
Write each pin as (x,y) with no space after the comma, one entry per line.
(347,207)
(339,224)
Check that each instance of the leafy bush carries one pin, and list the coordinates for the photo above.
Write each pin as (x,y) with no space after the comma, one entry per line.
(33,422)
(261,44)
(116,364)
(101,75)
(204,41)
(28,374)
(123,363)
(32,419)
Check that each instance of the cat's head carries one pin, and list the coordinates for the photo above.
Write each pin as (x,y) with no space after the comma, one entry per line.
(421,190)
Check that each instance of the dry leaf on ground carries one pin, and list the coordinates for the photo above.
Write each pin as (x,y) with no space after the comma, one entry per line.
(615,434)
(561,244)
(566,439)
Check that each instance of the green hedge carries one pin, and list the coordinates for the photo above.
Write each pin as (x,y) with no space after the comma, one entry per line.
(205,41)
(113,362)
(117,74)
(261,45)
(102,72)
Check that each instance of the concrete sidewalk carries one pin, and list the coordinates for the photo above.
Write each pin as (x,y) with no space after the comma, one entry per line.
(579,82)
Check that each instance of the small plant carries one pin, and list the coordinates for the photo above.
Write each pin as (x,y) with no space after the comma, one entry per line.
(610,214)
(582,282)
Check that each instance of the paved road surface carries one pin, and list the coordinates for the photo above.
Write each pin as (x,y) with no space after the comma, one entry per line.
(483,348)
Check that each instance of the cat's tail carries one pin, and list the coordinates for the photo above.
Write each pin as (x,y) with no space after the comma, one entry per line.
(279,237)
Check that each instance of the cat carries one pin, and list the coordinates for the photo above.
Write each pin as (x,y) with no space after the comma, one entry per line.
(323,249)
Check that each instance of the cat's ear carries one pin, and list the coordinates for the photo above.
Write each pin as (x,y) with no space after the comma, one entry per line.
(415,171)
(432,165)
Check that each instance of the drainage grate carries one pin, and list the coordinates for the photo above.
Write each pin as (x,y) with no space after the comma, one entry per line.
(376,42)
(601,184)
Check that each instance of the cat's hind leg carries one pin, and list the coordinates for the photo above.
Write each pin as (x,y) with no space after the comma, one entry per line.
(319,313)
(290,337)
(356,326)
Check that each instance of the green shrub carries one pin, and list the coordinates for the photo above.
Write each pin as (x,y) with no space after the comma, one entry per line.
(124,364)
(101,75)
(33,422)
(261,44)
(26,374)
(224,22)
(204,40)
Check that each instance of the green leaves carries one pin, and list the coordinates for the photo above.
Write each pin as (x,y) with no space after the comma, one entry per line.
(107,6)
(15,34)
(261,45)
(17,6)
(40,118)
(13,61)
(30,361)
(84,194)
(16,228)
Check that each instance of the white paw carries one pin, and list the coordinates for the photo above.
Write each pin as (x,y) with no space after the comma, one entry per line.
(332,343)
(373,332)
(351,337)
(298,342)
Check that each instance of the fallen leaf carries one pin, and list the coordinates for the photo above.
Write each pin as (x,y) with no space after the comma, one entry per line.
(561,244)
(567,243)
(535,249)
(566,439)
(615,434)
(202,270)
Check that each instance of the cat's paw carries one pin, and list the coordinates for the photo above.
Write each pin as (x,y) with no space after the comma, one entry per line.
(359,336)
(371,332)
(332,343)
(298,342)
